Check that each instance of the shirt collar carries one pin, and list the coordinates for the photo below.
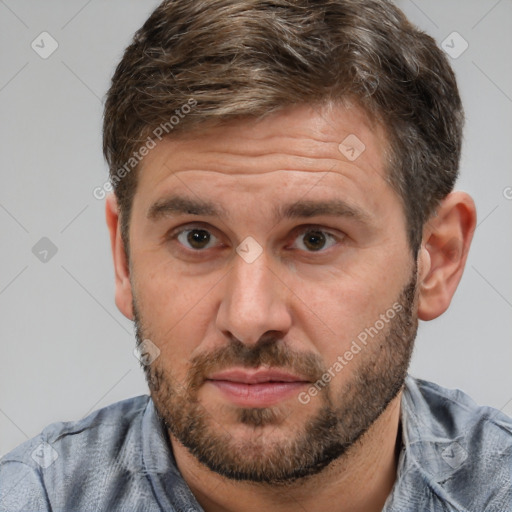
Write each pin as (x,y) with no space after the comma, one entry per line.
(170,489)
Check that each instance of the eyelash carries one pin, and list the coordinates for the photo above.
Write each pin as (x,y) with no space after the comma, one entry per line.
(173,236)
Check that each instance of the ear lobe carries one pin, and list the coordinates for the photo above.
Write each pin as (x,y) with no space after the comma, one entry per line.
(123,289)
(446,241)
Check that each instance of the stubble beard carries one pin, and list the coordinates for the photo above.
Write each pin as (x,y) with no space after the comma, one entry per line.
(328,435)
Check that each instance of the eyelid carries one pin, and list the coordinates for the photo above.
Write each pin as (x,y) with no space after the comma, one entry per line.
(184,227)
(315,227)
(175,232)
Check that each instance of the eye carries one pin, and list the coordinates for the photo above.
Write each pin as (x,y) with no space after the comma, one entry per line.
(196,238)
(315,240)
(309,239)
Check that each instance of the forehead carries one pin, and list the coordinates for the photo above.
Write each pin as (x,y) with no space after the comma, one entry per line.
(296,146)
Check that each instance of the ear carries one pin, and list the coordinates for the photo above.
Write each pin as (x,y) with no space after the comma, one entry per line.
(446,240)
(121,267)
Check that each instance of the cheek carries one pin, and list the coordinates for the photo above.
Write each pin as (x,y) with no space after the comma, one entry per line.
(174,311)
(335,311)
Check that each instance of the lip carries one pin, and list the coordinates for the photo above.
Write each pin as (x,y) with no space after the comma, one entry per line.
(256,376)
(256,388)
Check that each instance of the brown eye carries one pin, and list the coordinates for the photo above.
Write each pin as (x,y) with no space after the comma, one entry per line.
(197,239)
(314,240)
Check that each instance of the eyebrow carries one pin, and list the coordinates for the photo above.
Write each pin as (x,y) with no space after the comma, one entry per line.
(179,205)
(174,206)
(330,207)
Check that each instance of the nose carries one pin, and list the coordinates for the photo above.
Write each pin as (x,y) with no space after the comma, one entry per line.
(254,302)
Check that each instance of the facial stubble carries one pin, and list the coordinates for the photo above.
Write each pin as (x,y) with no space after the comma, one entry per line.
(328,435)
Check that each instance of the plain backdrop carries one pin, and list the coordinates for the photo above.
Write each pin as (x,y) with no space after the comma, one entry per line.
(65,348)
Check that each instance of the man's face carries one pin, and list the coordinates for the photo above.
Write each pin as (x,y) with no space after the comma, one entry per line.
(246,326)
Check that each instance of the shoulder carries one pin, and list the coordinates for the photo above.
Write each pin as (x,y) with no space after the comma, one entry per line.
(70,451)
(105,427)
(452,412)
(463,450)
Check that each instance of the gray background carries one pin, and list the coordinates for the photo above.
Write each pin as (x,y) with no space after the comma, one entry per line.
(66,350)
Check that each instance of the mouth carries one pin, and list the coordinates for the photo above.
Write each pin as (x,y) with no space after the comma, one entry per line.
(256,388)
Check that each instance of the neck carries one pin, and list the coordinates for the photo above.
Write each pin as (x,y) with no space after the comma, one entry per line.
(359,481)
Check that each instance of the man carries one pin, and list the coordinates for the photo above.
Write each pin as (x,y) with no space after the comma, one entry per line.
(283,215)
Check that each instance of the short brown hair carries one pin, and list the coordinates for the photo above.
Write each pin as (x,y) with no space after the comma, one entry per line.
(248,58)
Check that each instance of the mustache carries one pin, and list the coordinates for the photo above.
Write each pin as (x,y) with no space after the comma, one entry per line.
(267,352)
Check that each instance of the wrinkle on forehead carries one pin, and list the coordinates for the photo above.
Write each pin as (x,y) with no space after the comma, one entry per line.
(293,139)
(278,158)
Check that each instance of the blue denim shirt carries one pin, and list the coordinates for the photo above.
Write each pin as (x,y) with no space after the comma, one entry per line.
(456,456)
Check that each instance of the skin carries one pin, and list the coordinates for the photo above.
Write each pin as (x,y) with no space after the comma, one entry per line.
(316,302)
